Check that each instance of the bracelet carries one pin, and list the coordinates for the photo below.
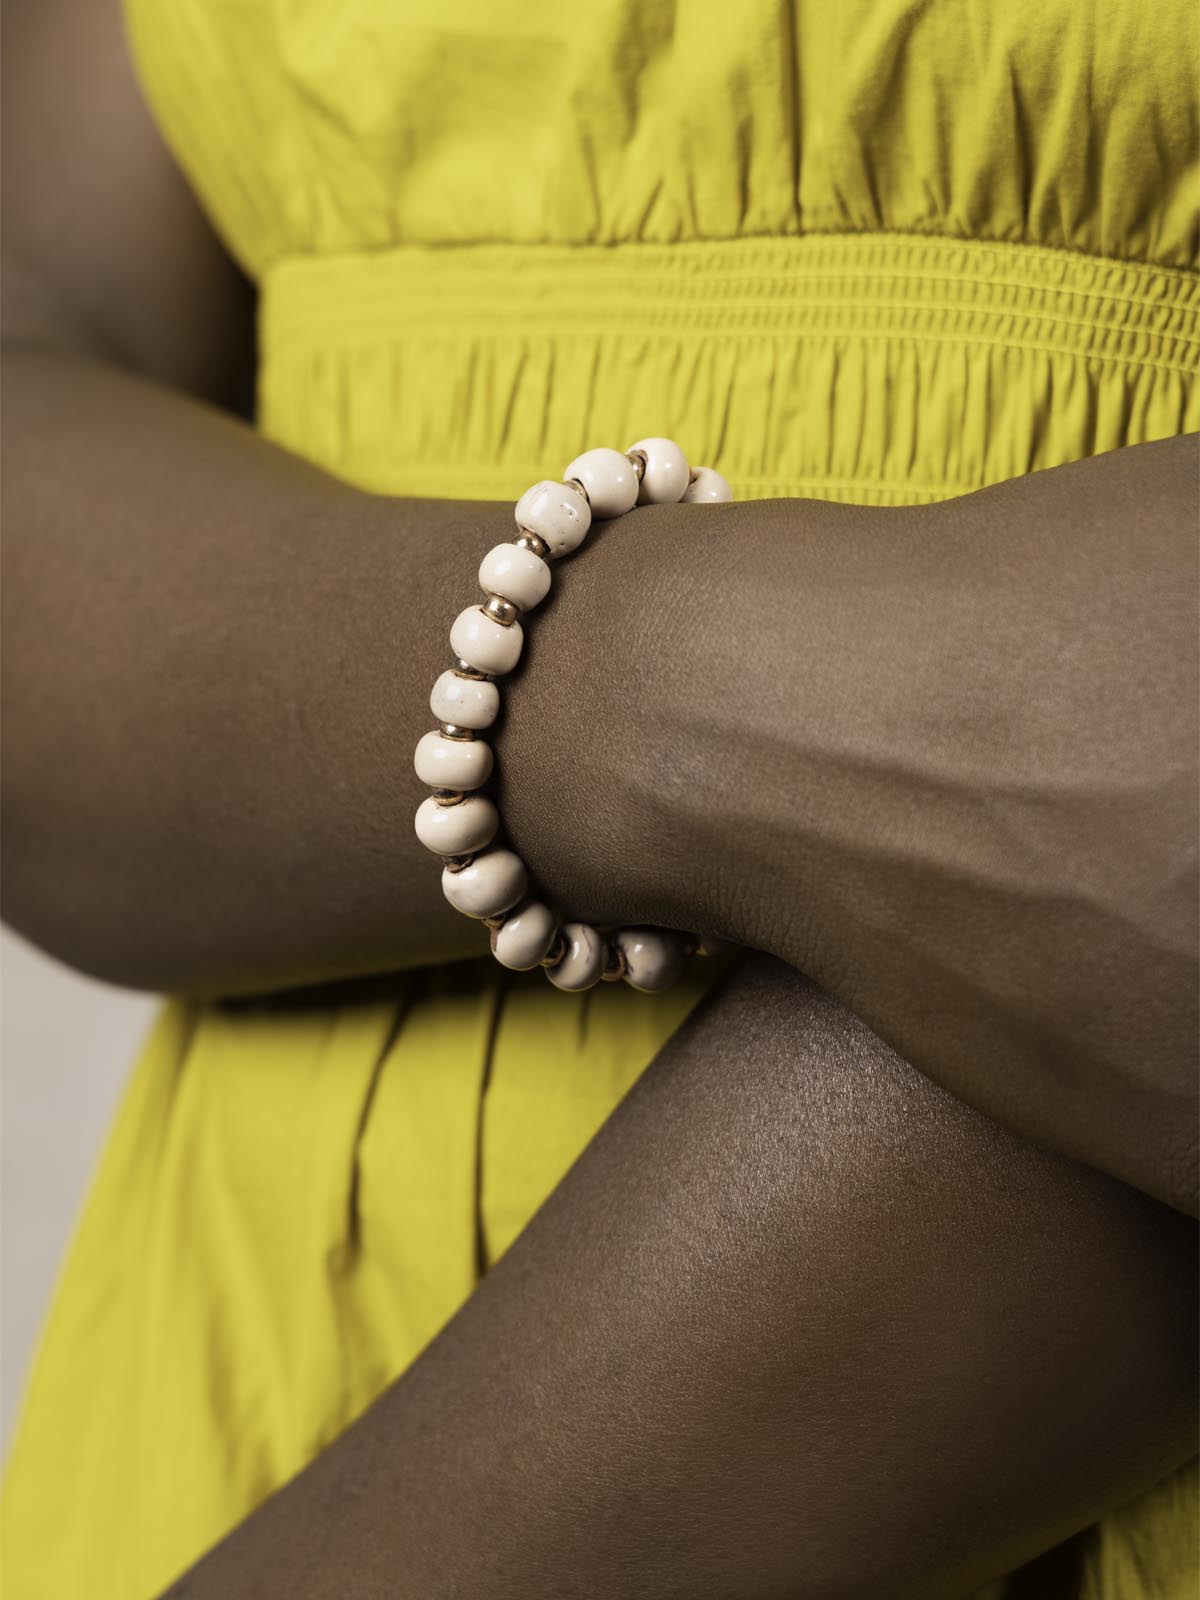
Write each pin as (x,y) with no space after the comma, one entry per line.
(459,824)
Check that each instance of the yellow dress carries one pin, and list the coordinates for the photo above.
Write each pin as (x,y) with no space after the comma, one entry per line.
(877,250)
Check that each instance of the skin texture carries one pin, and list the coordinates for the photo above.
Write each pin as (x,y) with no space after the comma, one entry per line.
(216,663)
(941,758)
(798,1324)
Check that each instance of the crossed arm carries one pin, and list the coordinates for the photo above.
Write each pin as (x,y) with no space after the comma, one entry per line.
(798,1323)
(942,759)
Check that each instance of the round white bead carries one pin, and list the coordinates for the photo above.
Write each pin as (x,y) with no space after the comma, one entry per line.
(457,830)
(488,886)
(667,474)
(707,484)
(610,481)
(557,514)
(452,763)
(467,702)
(518,575)
(484,643)
(655,958)
(584,961)
(525,937)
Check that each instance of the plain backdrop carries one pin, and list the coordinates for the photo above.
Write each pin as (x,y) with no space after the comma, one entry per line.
(66,1048)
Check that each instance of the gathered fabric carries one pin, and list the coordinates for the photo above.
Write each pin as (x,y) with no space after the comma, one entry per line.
(882,251)
(882,369)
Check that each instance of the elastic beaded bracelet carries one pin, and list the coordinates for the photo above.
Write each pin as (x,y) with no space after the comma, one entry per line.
(458,824)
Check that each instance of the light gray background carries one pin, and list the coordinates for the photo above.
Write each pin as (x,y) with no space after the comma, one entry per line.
(66,1047)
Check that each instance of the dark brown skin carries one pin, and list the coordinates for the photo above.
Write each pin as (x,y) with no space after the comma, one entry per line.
(774,1336)
(942,758)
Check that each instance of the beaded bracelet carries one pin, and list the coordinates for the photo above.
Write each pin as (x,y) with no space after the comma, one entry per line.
(459,824)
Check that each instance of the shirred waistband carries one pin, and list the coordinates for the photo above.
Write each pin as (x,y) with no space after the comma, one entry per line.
(1113,310)
(819,321)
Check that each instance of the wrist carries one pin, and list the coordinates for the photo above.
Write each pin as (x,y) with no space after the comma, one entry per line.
(602,761)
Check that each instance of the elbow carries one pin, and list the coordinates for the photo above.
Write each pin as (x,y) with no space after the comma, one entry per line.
(60,901)
(76,941)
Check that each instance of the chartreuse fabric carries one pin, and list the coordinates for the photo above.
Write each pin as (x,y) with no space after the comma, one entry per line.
(877,250)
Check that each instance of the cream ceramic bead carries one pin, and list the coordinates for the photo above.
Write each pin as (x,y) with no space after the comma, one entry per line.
(488,886)
(584,961)
(467,702)
(557,514)
(457,830)
(518,575)
(667,474)
(525,937)
(707,484)
(610,481)
(452,763)
(484,643)
(655,958)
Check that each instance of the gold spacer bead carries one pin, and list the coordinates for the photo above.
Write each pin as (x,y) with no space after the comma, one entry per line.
(464,669)
(555,953)
(500,610)
(449,797)
(637,460)
(616,967)
(457,863)
(451,730)
(534,543)
(579,488)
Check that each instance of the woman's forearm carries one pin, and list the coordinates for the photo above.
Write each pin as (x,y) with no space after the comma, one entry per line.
(942,758)
(216,659)
(791,1305)
(1005,800)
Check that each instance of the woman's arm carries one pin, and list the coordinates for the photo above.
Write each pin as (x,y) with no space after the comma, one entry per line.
(796,1323)
(216,663)
(216,658)
(943,759)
